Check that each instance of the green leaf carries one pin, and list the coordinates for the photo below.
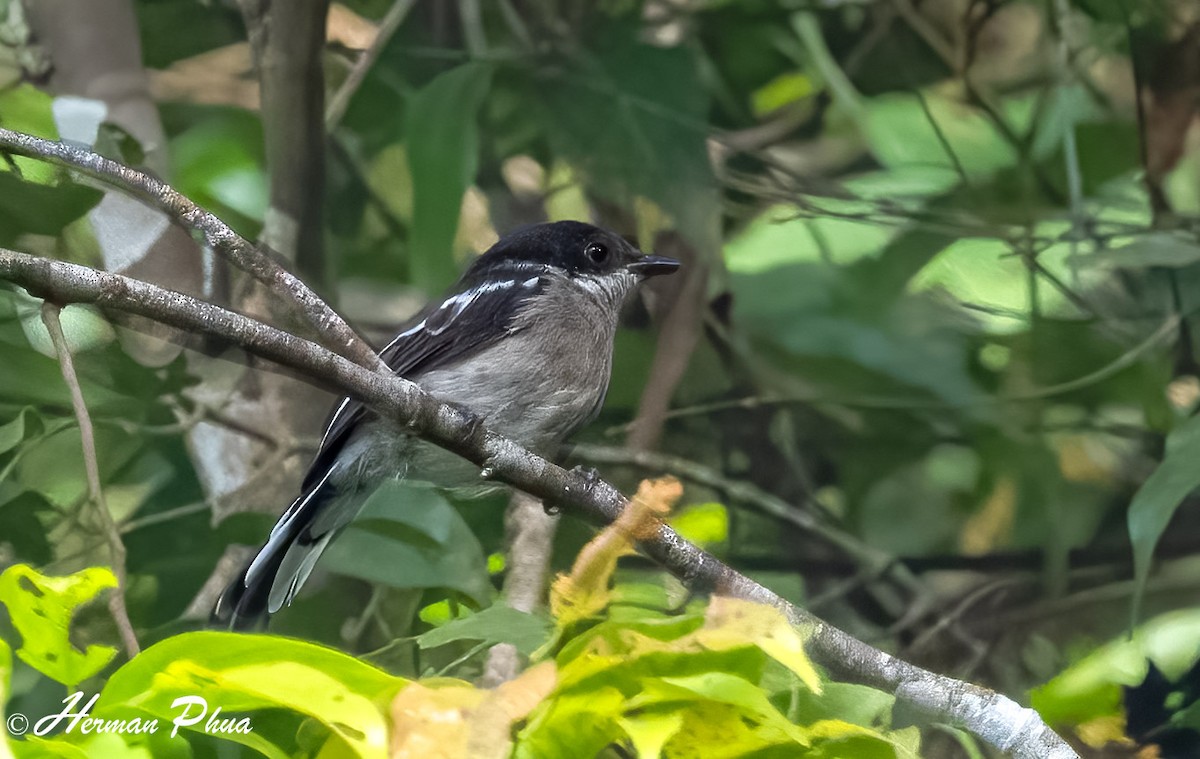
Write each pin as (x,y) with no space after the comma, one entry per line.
(410,537)
(1155,502)
(733,622)
(785,89)
(966,741)
(631,658)
(1156,249)
(578,724)
(780,235)
(41,608)
(443,155)
(495,624)
(705,524)
(1091,687)
(1189,717)
(209,26)
(849,702)
(38,208)
(83,326)
(54,466)
(13,432)
(902,133)
(631,118)
(219,163)
(253,676)
(28,109)
(719,687)
(23,527)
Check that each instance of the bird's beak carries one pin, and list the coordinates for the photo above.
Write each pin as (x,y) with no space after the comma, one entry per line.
(652,266)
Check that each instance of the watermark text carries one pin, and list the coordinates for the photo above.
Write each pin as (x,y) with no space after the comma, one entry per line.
(188,711)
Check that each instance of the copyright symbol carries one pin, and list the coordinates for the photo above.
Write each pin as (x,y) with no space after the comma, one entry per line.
(17,724)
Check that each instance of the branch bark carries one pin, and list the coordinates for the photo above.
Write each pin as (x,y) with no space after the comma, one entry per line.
(677,338)
(530,538)
(991,716)
(116,546)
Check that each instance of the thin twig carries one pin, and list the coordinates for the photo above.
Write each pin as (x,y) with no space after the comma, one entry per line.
(1062,15)
(942,139)
(1122,362)
(332,330)
(186,510)
(116,548)
(345,93)
(677,338)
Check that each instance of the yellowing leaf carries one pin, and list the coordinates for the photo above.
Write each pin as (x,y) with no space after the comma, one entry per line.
(429,723)
(450,719)
(833,729)
(992,524)
(734,622)
(650,731)
(288,681)
(41,608)
(491,724)
(720,731)
(1101,731)
(570,725)
(584,593)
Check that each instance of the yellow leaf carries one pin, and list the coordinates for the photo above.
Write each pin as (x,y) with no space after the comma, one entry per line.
(992,524)
(732,622)
(720,731)
(584,593)
(448,719)
(491,725)
(1099,732)
(430,723)
(834,729)
(41,608)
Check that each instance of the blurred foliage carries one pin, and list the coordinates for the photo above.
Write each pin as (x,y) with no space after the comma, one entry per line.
(952,273)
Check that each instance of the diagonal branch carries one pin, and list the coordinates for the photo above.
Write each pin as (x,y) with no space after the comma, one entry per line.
(116,547)
(345,93)
(329,325)
(993,717)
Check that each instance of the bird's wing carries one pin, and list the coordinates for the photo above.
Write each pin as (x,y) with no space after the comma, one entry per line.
(466,322)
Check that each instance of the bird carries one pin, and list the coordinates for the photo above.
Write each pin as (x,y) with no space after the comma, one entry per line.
(523,340)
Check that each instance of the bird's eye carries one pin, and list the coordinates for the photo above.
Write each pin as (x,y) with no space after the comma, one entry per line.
(596,253)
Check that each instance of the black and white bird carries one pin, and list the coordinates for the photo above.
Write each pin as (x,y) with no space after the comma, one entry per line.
(524,340)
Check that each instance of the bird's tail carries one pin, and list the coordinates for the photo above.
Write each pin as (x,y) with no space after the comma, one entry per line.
(273,576)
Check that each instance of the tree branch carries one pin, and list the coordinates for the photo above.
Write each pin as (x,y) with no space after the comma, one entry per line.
(529,543)
(330,327)
(345,93)
(116,547)
(993,717)
(288,41)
